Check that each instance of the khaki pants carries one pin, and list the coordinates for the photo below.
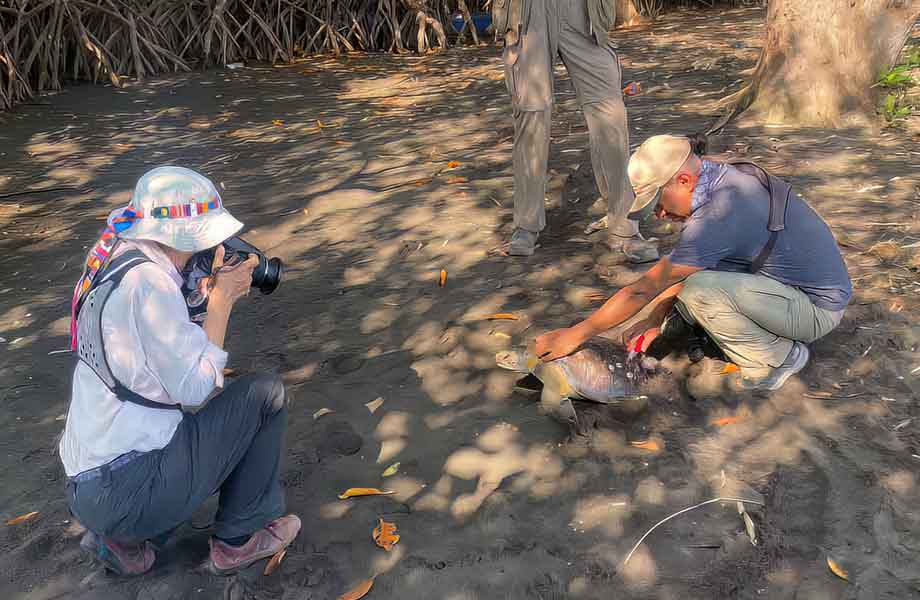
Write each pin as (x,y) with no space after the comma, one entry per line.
(561,28)
(753,319)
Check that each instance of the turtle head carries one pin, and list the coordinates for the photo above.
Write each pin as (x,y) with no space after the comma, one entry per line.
(513,360)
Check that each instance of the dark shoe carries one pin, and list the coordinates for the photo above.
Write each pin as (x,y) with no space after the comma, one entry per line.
(523,242)
(273,538)
(128,560)
(795,362)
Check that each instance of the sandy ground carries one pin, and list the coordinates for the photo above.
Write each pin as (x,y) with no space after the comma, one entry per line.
(350,185)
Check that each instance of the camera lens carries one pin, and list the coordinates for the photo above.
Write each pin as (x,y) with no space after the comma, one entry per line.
(267,275)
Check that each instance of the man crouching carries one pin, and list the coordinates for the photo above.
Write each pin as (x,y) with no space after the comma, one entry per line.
(137,465)
(755,266)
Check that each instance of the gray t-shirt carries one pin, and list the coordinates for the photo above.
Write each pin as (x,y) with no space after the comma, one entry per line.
(729,229)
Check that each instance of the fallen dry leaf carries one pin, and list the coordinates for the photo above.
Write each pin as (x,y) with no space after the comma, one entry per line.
(357,492)
(442,278)
(837,569)
(732,420)
(650,445)
(453,164)
(502,316)
(385,535)
(749,527)
(456,179)
(359,590)
(274,562)
(391,470)
(729,368)
(277,122)
(322,412)
(23,518)
(502,335)
(373,405)
(320,124)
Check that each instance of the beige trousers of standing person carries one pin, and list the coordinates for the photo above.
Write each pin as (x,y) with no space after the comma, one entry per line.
(561,28)
(752,318)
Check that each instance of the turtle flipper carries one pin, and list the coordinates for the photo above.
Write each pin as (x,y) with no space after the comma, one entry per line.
(558,405)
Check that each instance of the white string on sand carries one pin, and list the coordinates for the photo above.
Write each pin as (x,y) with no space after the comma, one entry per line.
(680,512)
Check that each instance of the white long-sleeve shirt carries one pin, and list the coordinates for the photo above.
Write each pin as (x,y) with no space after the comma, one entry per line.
(154,349)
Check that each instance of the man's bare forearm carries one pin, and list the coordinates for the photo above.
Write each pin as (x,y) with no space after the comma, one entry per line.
(621,307)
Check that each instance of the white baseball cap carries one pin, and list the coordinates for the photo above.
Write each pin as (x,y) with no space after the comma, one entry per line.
(651,166)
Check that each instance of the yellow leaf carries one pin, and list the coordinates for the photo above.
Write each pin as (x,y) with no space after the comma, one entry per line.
(322,412)
(320,124)
(501,335)
(391,470)
(650,445)
(23,518)
(729,368)
(502,316)
(442,278)
(453,164)
(727,420)
(277,122)
(359,590)
(385,535)
(274,562)
(356,492)
(837,569)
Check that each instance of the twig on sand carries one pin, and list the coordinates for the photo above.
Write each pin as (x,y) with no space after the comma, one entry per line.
(680,512)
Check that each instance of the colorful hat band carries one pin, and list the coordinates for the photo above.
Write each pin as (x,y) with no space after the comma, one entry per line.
(182,211)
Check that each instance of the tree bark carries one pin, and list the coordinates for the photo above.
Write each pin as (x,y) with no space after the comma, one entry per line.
(627,13)
(820,60)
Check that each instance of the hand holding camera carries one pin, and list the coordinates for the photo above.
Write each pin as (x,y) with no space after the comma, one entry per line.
(231,280)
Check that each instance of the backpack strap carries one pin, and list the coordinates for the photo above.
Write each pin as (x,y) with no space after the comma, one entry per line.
(780,192)
(90,346)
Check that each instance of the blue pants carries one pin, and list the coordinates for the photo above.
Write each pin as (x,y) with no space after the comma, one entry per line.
(232,446)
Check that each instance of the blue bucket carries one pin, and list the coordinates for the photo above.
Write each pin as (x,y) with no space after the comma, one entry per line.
(480,20)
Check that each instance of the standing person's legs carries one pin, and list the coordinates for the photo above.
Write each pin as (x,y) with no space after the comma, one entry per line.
(595,72)
(232,446)
(528,75)
(759,323)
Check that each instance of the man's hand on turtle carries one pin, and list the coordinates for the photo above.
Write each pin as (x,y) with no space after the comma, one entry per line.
(556,344)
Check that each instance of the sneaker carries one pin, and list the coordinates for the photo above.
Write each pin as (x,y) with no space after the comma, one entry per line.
(599,225)
(795,362)
(273,538)
(617,250)
(523,242)
(129,560)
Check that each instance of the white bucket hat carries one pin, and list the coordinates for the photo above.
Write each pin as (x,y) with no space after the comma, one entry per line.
(180,209)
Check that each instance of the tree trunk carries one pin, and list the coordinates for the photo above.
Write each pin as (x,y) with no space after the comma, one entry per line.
(820,59)
(627,13)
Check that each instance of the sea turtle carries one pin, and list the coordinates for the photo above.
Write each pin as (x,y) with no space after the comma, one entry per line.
(599,371)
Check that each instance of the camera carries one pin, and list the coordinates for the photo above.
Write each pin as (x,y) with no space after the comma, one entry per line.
(265,277)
